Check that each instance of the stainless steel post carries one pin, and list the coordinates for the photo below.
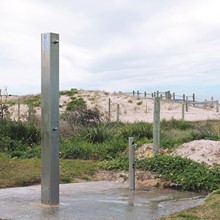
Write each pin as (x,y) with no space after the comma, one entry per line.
(131,176)
(50,118)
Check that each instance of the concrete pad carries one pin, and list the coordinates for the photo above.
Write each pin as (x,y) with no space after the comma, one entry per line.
(95,200)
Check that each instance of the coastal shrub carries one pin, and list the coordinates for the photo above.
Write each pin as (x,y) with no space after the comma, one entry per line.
(99,133)
(175,124)
(19,139)
(207,130)
(137,130)
(33,101)
(76,103)
(70,92)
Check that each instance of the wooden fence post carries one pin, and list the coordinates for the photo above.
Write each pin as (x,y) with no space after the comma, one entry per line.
(183,109)
(194,99)
(109,109)
(30,113)
(19,107)
(187,104)
(117,113)
(156,126)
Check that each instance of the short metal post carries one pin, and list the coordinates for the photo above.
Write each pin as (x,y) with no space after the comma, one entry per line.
(50,118)
(156,126)
(138,93)
(145,95)
(131,176)
(184,97)
(217,106)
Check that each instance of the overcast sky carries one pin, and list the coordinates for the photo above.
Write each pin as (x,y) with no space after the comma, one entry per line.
(117,45)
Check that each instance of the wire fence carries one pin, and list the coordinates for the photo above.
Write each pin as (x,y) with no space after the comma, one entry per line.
(131,107)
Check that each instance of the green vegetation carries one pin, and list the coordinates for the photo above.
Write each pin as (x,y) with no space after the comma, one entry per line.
(19,139)
(76,103)
(23,172)
(71,92)
(139,102)
(33,101)
(210,210)
(94,144)
(187,173)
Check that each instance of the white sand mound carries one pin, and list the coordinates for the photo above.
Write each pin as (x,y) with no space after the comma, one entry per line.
(200,151)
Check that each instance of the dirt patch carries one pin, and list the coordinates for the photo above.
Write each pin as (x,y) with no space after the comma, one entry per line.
(143,178)
(200,151)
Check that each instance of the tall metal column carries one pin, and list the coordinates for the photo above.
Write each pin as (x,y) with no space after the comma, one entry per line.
(50,118)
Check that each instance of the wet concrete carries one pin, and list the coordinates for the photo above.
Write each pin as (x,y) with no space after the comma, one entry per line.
(95,200)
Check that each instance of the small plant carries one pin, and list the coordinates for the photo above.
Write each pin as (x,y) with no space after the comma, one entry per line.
(70,93)
(137,130)
(140,103)
(99,133)
(207,130)
(33,101)
(76,103)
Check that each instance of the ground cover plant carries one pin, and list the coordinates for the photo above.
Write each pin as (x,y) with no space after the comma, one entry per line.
(210,210)
(98,144)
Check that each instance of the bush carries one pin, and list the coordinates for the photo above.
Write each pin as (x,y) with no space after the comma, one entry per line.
(82,117)
(174,137)
(75,104)
(71,92)
(99,133)
(120,163)
(75,149)
(19,139)
(137,130)
(33,101)
(207,130)
(175,124)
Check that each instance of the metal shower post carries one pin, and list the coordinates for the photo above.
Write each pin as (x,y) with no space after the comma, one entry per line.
(50,118)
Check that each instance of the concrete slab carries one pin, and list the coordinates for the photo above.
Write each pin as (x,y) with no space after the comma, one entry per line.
(95,200)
